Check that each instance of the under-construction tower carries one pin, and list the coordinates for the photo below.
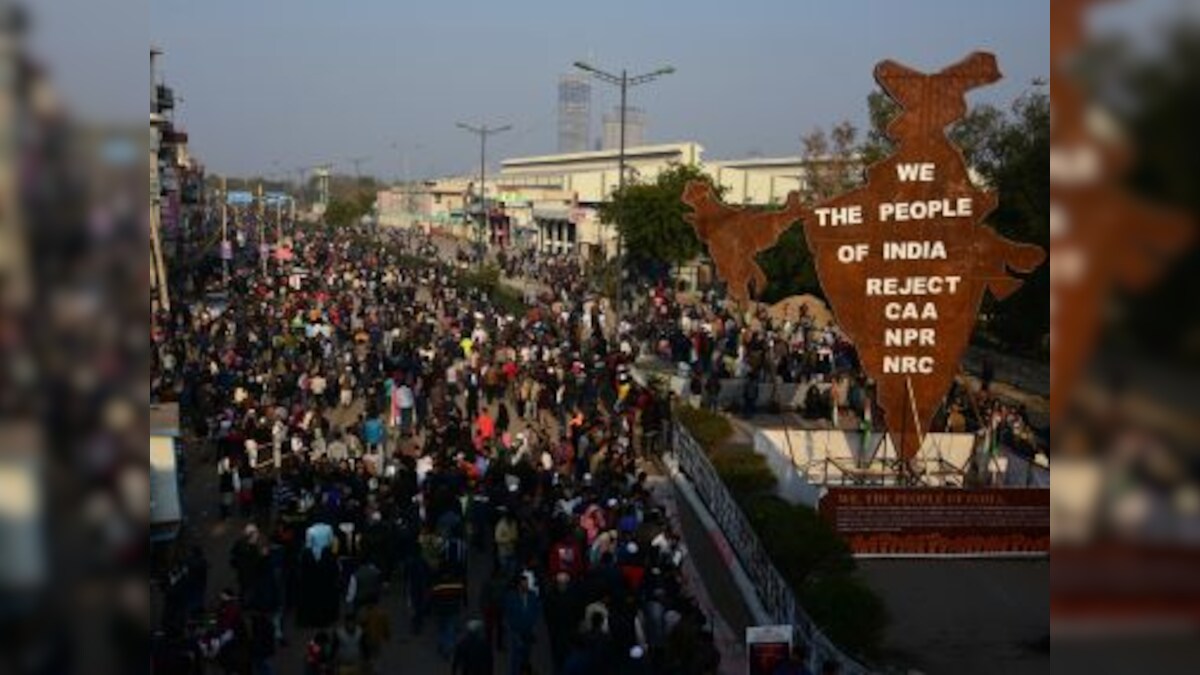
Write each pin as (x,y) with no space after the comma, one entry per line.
(322,175)
(635,128)
(574,113)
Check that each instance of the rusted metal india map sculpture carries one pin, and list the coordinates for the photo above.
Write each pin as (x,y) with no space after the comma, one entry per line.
(735,235)
(1102,237)
(904,261)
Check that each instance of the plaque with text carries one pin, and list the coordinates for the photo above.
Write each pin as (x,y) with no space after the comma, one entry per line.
(940,521)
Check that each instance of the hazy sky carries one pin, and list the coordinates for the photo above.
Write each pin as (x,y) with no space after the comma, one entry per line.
(300,82)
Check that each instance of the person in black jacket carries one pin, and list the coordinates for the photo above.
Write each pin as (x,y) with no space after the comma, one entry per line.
(563,612)
(473,654)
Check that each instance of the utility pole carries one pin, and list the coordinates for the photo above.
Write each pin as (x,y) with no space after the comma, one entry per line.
(226,249)
(624,82)
(261,214)
(301,173)
(158,274)
(279,228)
(358,162)
(483,131)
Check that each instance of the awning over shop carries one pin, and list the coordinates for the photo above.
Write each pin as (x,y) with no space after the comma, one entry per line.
(551,213)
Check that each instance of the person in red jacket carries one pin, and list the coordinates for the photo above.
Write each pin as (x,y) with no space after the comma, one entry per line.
(485,425)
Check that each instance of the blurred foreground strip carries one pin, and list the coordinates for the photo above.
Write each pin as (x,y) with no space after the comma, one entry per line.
(73,339)
(1125,336)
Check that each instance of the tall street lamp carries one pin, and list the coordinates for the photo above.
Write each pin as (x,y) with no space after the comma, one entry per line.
(226,247)
(624,81)
(483,131)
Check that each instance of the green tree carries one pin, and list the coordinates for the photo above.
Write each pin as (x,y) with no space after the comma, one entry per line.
(649,217)
(833,167)
(340,213)
(1154,96)
(831,161)
(342,186)
(789,267)
(344,211)
(1010,156)
(977,132)
(881,110)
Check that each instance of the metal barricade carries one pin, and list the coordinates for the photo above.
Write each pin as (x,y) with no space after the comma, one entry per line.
(773,591)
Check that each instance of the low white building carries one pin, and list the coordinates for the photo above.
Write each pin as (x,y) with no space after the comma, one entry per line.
(760,181)
(551,202)
(439,203)
(563,192)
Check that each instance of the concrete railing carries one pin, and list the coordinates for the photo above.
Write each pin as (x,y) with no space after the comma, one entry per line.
(773,592)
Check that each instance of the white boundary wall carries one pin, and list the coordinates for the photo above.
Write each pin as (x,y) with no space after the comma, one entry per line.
(806,460)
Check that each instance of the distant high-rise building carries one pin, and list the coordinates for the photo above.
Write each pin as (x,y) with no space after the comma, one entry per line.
(635,128)
(574,113)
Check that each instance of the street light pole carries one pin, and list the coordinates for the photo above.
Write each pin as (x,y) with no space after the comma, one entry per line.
(279,229)
(483,131)
(358,162)
(483,195)
(261,213)
(621,183)
(623,81)
(226,249)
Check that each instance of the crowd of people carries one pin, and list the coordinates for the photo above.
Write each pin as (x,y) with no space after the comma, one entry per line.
(713,341)
(388,443)
(385,432)
(764,351)
(562,272)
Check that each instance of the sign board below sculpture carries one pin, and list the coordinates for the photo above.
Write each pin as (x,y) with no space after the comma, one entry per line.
(940,521)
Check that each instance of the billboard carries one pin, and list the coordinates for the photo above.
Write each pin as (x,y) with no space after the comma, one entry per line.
(940,521)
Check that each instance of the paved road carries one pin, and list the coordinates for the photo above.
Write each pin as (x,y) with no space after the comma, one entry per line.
(965,616)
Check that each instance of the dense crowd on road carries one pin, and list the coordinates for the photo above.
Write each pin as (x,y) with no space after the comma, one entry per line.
(384,432)
(384,436)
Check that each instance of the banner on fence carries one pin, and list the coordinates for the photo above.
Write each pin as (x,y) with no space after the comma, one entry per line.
(940,521)
(767,647)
